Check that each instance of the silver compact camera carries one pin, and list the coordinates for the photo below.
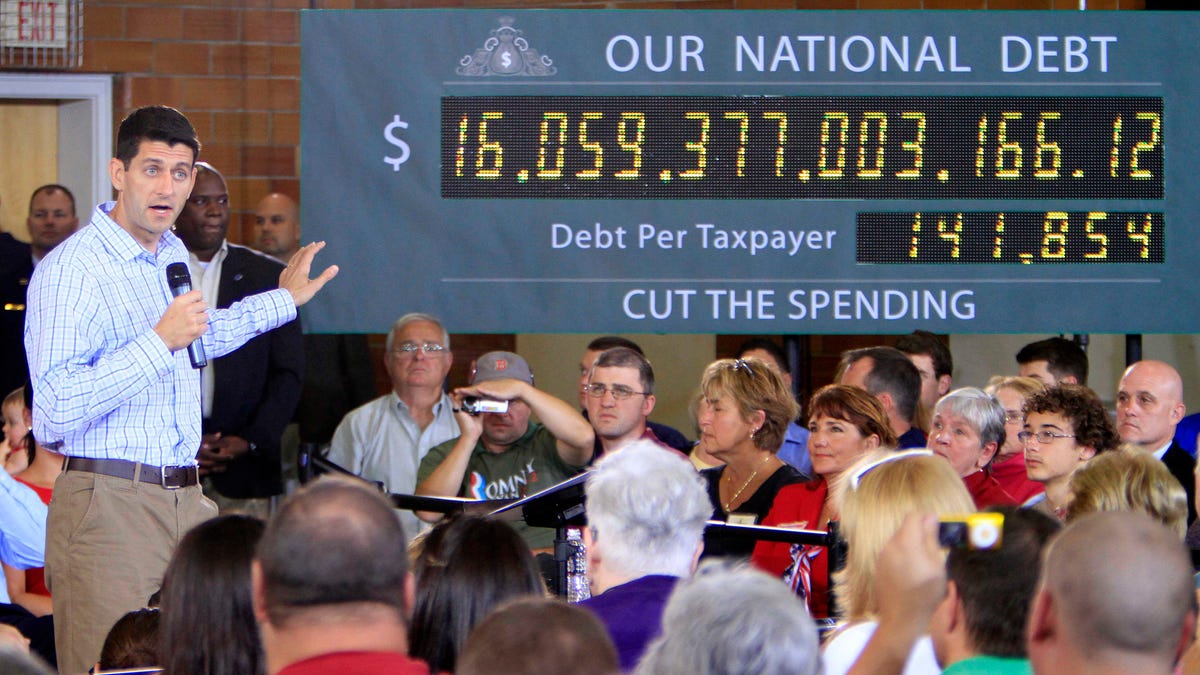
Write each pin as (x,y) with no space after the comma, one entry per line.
(475,405)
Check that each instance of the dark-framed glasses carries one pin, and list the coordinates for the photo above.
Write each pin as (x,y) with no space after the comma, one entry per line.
(619,391)
(1043,437)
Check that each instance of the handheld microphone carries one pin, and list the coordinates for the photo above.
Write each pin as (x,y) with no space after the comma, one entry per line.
(180,281)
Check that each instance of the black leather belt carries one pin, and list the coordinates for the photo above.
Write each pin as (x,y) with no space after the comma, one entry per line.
(169,477)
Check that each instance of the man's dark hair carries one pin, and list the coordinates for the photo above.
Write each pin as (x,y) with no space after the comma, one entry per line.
(1063,357)
(924,342)
(996,586)
(606,342)
(769,346)
(154,123)
(336,541)
(51,189)
(1083,409)
(539,636)
(623,357)
(132,642)
(892,372)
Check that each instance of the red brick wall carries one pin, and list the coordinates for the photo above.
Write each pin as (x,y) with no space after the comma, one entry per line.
(233,66)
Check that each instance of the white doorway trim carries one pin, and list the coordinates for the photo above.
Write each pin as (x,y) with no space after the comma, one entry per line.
(85,127)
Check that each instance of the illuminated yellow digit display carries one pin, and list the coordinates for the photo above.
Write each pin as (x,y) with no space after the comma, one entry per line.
(795,147)
(1019,237)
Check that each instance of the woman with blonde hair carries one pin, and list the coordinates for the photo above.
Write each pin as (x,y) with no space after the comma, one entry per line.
(1129,479)
(745,409)
(1008,466)
(845,424)
(877,495)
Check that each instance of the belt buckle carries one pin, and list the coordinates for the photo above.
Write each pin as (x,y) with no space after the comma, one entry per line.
(162,478)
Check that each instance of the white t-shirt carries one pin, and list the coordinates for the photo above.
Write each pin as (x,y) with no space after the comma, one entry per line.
(839,654)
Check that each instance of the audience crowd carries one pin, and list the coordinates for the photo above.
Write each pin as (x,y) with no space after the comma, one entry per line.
(895,524)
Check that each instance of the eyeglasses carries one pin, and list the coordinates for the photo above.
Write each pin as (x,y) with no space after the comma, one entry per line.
(1012,417)
(411,348)
(890,457)
(1043,437)
(619,391)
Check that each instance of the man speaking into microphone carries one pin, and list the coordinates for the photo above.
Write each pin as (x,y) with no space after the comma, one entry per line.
(113,388)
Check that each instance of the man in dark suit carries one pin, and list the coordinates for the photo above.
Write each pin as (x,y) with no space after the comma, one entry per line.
(16,267)
(249,395)
(1149,407)
(51,219)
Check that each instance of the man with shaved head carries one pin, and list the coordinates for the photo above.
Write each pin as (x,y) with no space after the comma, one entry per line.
(277,226)
(1116,596)
(1149,406)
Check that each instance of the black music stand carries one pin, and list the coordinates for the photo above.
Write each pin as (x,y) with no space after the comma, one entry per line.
(559,506)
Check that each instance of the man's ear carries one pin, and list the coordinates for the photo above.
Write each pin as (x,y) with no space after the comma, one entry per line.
(954,611)
(410,593)
(116,174)
(258,594)
(943,387)
(1187,636)
(1042,622)
(889,403)
(648,405)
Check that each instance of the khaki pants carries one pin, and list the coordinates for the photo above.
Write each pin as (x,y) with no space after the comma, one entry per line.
(108,542)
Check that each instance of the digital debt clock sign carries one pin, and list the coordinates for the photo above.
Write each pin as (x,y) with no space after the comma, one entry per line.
(792,172)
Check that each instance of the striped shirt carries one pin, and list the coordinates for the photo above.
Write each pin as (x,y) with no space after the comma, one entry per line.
(104,384)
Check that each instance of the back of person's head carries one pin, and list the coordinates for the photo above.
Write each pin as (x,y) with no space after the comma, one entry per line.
(335,542)
(467,566)
(624,357)
(1080,406)
(892,372)
(1023,386)
(769,346)
(1063,357)
(606,342)
(980,409)
(732,620)
(1120,587)
(889,487)
(750,385)
(647,508)
(996,586)
(856,406)
(923,342)
(154,123)
(20,662)
(133,641)
(1129,479)
(207,609)
(539,636)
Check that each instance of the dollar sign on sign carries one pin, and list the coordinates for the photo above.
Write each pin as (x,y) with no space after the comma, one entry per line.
(388,134)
